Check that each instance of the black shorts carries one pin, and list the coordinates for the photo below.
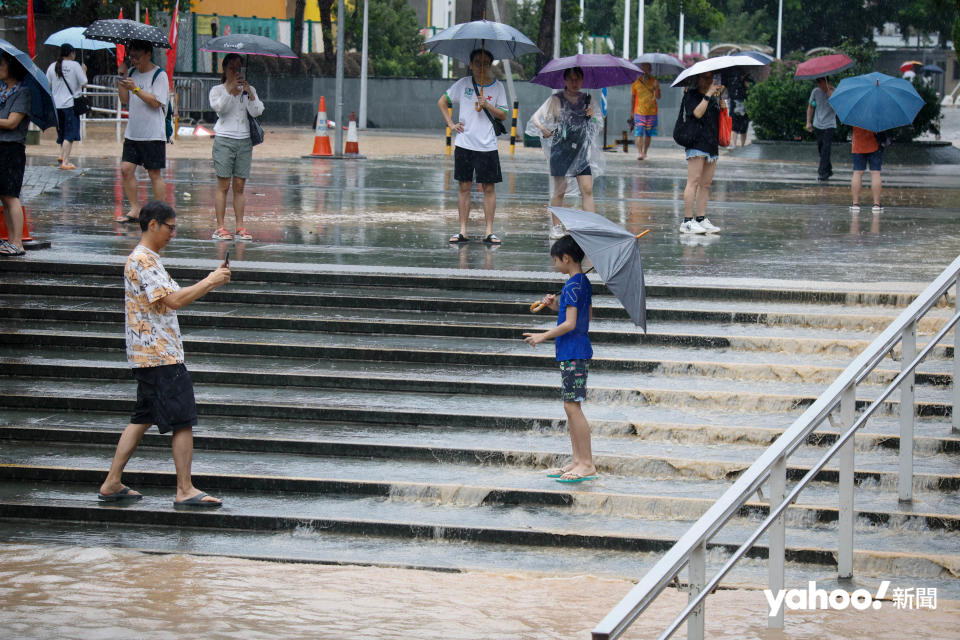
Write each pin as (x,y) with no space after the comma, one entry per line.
(568,158)
(486,165)
(13,159)
(740,123)
(149,154)
(165,398)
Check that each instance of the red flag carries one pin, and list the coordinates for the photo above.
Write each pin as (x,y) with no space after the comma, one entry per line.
(172,51)
(121,50)
(147,21)
(31,31)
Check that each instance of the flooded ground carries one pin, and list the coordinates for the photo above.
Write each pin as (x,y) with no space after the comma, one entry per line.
(72,592)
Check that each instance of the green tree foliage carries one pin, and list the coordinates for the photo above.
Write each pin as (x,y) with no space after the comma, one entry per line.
(744,27)
(925,17)
(777,106)
(83,12)
(395,44)
(525,15)
(661,21)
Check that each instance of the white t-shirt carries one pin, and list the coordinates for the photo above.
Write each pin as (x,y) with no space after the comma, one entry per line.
(477,130)
(75,77)
(146,123)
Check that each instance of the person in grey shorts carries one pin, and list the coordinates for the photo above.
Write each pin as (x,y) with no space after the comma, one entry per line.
(232,148)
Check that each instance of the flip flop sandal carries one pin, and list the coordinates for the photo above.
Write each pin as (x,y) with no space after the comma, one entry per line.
(68,167)
(126,220)
(459,238)
(556,472)
(492,239)
(197,502)
(123,494)
(10,250)
(576,478)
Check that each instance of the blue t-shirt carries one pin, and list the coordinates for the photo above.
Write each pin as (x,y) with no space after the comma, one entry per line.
(575,345)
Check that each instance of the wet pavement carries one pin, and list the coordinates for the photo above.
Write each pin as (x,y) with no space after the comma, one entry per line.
(778,222)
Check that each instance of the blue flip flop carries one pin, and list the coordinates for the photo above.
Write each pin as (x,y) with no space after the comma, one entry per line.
(555,472)
(123,494)
(578,478)
(198,501)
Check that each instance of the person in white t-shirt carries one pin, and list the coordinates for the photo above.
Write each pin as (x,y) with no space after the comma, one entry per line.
(67,79)
(475,149)
(146,90)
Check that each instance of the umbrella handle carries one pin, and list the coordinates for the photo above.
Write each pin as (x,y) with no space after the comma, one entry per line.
(537,306)
(643,233)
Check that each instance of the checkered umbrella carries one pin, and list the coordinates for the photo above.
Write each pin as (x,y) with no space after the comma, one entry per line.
(125,32)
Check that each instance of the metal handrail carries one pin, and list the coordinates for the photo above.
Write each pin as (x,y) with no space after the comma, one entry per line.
(771,465)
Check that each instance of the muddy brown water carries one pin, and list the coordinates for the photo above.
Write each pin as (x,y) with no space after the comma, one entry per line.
(99,593)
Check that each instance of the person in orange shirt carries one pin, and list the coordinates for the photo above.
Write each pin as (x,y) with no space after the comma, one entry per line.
(644,92)
(866,151)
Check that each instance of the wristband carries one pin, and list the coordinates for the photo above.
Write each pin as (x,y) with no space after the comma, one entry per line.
(136,90)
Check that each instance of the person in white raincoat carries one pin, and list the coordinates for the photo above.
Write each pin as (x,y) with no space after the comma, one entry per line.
(569,132)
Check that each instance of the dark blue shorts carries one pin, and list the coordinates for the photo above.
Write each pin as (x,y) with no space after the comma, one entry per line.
(165,398)
(68,125)
(875,160)
(573,380)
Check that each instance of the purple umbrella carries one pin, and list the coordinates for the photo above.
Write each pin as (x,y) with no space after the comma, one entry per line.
(599,70)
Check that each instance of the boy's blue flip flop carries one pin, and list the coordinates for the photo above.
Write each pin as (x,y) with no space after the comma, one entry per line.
(577,478)
(123,494)
(555,473)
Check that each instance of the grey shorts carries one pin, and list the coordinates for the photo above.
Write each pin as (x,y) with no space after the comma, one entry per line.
(232,157)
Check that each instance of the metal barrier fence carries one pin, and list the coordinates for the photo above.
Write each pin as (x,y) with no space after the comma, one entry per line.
(191,100)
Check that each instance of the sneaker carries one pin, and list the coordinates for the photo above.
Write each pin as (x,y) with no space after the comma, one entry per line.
(854,208)
(692,226)
(222,234)
(877,208)
(709,226)
(557,232)
(243,234)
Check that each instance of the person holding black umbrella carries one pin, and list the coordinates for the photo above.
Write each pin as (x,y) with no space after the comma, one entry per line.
(15,100)
(146,90)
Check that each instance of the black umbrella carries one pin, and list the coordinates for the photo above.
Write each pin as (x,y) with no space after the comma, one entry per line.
(248,44)
(125,32)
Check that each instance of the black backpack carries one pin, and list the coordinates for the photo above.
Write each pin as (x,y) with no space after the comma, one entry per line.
(168,109)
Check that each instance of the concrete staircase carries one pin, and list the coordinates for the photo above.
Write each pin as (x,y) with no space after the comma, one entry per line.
(399,420)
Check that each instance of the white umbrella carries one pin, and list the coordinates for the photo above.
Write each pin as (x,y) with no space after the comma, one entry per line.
(74,36)
(715,64)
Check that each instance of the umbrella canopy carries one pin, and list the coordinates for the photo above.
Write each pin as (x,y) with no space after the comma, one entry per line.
(662,64)
(931,68)
(43,113)
(615,255)
(599,70)
(501,40)
(822,66)
(759,56)
(909,65)
(126,31)
(716,64)
(876,102)
(249,44)
(74,37)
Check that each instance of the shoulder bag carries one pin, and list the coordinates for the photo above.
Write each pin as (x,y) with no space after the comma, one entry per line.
(498,127)
(256,131)
(81,103)
(686,129)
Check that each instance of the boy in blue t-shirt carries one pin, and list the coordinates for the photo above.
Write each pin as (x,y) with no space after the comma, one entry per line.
(573,353)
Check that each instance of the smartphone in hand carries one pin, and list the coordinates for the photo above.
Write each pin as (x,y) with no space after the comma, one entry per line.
(226,260)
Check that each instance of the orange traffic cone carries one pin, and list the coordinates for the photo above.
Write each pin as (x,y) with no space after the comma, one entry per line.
(28,241)
(353,142)
(321,141)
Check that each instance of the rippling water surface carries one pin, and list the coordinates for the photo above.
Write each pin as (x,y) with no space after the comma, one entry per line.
(99,593)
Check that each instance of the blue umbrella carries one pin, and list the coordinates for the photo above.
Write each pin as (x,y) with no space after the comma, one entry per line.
(501,40)
(74,37)
(931,68)
(43,113)
(876,102)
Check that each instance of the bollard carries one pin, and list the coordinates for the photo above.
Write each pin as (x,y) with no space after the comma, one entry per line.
(513,127)
(450,111)
(625,142)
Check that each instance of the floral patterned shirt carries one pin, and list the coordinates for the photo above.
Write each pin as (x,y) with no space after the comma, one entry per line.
(152,330)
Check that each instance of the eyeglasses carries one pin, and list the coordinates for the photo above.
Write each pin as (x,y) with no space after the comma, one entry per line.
(172,227)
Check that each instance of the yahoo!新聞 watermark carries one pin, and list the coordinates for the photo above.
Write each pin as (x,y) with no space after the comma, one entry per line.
(813,598)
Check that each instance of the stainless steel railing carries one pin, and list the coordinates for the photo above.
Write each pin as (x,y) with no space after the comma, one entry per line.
(771,467)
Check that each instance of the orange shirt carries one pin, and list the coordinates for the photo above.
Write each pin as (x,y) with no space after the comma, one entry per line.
(864,141)
(644,90)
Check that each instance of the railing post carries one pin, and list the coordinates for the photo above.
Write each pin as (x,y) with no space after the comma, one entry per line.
(845,462)
(955,417)
(697,577)
(907,411)
(777,536)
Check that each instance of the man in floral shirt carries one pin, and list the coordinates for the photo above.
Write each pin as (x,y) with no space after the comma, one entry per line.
(155,351)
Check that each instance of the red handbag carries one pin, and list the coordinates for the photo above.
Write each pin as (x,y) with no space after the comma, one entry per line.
(726,128)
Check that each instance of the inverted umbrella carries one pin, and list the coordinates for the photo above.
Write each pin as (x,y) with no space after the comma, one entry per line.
(249,44)
(615,255)
(126,31)
(715,64)
(43,113)
(876,102)
(599,70)
(661,64)
(501,40)
(74,37)
(822,66)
